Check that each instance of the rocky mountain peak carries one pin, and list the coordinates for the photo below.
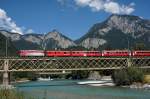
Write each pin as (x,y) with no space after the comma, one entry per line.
(117,29)
(53,34)
(127,17)
(129,24)
(59,39)
(33,38)
(11,36)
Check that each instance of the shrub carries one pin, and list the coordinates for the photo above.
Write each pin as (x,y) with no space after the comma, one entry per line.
(147,79)
(135,75)
(127,76)
(120,77)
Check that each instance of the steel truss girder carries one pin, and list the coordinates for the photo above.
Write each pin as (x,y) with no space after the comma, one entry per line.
(72,63)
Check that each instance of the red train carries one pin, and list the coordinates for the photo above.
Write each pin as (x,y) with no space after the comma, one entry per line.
(31,53)
(105,53)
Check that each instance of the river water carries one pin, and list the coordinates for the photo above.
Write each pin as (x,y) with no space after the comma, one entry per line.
(68,89)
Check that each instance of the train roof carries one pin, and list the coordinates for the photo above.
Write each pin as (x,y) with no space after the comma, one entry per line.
(116,50)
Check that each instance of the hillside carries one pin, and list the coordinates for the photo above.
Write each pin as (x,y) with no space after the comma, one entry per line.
(11,49)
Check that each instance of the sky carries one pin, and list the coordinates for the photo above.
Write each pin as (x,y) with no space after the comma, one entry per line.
(73,18)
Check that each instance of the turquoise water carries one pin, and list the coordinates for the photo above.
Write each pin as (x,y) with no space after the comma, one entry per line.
(68,89)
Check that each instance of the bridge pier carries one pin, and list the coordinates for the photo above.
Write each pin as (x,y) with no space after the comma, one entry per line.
(5,74)
(129,62)
(5,84)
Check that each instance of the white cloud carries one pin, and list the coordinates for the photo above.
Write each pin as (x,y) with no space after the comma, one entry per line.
(96,5)
(83,2)
(112,7)
(29,31)
(109,6)
(8,24)
(115,8)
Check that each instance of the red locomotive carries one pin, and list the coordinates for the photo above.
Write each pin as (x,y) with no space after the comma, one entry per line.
(105,53)
(31,53)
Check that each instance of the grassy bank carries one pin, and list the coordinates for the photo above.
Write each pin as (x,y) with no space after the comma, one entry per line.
(13,94)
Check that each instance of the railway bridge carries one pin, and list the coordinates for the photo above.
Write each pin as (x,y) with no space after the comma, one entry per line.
(54,64)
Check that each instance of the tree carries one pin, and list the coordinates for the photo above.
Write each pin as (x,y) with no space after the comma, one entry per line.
(127,76)
(139,46)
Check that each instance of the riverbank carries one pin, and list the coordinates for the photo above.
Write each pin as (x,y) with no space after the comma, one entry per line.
(110,83)
(20,80)
(140,86)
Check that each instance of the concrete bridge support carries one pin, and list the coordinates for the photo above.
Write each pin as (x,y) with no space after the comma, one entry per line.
(129,62)
(5,74)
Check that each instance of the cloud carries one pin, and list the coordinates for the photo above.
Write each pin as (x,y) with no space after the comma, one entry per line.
(115,8)
(29,31)
(109,6)
(8,24)
(96,5)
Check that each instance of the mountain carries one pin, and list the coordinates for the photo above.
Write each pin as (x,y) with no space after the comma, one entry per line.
(28,41)
(11,50)
(55,39)
(118,32)
(51,40)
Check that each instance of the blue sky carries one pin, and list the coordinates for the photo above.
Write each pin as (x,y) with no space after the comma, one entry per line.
(72,18)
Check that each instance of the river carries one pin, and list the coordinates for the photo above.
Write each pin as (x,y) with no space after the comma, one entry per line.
(68,89)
